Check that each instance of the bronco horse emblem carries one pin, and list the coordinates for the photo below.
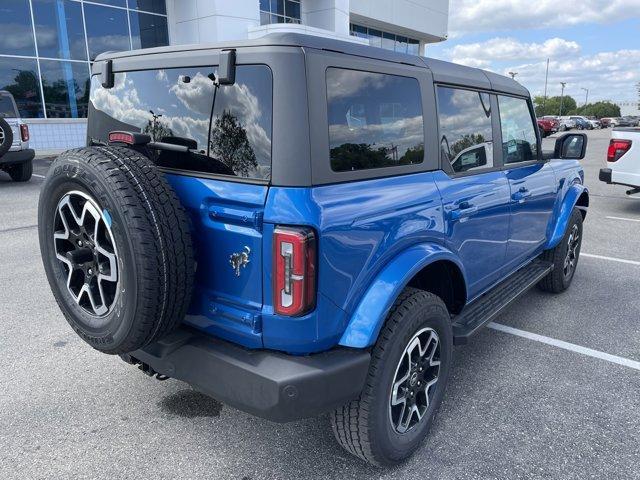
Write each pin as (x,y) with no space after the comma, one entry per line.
(239,260)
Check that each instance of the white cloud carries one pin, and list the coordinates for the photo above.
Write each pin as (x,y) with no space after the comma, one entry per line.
(481,54)
(496,15)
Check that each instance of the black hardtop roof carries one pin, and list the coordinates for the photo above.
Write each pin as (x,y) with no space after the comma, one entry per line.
(444,72)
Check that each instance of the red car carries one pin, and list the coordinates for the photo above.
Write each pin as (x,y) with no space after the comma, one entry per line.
(547,126)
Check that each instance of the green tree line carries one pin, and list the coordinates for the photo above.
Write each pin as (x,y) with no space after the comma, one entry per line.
(570,107)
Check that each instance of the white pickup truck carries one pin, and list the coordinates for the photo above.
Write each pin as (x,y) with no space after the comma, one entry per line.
(623,159)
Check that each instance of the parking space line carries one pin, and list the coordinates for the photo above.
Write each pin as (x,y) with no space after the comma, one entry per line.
(625,362)
(37,175)
(611,259)
(624,219)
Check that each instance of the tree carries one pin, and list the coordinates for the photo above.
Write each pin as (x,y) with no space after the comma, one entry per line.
(157,130)
(229,144)
(599,110)
(552,105)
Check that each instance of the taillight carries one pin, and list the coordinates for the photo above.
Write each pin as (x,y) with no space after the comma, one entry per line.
(617,148)
(121,137)
(24,132)
(294,261)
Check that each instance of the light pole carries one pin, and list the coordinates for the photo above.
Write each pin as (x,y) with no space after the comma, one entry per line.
(562,96)
(586,96)
(513,75)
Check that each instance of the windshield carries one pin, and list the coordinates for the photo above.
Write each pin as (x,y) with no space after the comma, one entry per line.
(7,109)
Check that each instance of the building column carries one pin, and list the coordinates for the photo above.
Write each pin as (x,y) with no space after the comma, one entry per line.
(332,15)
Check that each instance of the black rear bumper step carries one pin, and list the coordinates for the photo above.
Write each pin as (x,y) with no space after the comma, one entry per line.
(477,314)
(269,384)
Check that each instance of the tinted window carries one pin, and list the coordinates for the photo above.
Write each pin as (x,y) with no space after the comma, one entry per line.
(519,142)
(66,88)
(6,107)
(174,106)
(466,138)
(375,120)
(107,29)
(148,30)
(154,6)
(59,29)
(15,25)
(19,76)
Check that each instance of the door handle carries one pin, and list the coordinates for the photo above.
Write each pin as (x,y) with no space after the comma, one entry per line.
(521,195)
(464,209)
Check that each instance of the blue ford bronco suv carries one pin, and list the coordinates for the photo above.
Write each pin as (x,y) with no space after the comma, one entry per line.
(297,225)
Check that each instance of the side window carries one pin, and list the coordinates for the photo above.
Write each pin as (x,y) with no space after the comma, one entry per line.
(466,137)
(519,143)
(174,106)
(375,120)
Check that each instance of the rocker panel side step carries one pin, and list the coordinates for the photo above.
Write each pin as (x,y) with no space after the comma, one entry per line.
(481,311)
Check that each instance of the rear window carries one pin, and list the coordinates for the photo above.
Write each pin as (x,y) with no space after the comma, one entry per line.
(175,106)
(375,120)
(7,110)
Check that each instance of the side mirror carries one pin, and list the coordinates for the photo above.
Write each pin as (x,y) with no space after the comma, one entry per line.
(227,67)
(571,146)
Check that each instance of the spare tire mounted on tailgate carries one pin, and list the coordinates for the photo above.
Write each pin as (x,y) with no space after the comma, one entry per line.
(116,247)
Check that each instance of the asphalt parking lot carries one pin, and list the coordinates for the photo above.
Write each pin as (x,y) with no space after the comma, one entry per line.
(516,407)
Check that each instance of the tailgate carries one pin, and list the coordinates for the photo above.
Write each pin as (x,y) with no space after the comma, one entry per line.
(226,223)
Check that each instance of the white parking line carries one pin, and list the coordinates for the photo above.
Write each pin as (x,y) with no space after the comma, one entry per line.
(611,259)
(37,175)
(625,362)
(624,219)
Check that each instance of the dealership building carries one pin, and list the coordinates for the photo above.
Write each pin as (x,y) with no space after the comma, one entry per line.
(47,46)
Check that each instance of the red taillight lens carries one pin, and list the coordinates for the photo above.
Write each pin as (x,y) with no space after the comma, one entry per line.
(294,261)
(121,137)
(617,148)
(24,132)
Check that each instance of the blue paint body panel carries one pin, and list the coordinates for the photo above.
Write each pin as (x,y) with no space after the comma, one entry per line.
(373,237)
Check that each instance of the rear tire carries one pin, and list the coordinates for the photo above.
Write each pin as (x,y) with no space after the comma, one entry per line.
(6,136)
(373,427)
(564,257)
(116,247)
(21,172)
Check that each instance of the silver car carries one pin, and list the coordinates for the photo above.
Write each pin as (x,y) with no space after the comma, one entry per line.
(16,158)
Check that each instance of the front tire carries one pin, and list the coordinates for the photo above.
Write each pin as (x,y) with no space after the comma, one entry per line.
(407,377)
(564,257)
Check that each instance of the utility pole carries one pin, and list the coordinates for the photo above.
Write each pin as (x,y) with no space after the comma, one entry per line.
(586,97)
(562,96)
(546,79)
(513,75)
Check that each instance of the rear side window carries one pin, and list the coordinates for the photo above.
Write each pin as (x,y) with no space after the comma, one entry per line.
(7,109)
(375,120)
(466,136)
(519,143)
(175,106)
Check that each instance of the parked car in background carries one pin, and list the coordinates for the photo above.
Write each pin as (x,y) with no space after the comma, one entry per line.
(16,158)
(634,120)
(547,126)
(344,242)
(620,122)
(623,159)
(566,123)
(582,123)
(605,122)
(595,123)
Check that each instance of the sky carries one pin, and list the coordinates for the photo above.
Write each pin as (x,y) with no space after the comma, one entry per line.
(590,44)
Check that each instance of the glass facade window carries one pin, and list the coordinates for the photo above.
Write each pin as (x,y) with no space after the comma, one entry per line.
(15,25)
(59,29)
(387,40)
(279,11)
(45,57)
(20,77)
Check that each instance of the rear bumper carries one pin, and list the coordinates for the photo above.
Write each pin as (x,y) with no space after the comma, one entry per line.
(19,156)
(267,384)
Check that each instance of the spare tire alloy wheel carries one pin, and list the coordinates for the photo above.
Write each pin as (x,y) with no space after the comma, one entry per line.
(116,246)
(6,136)
(84,244)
